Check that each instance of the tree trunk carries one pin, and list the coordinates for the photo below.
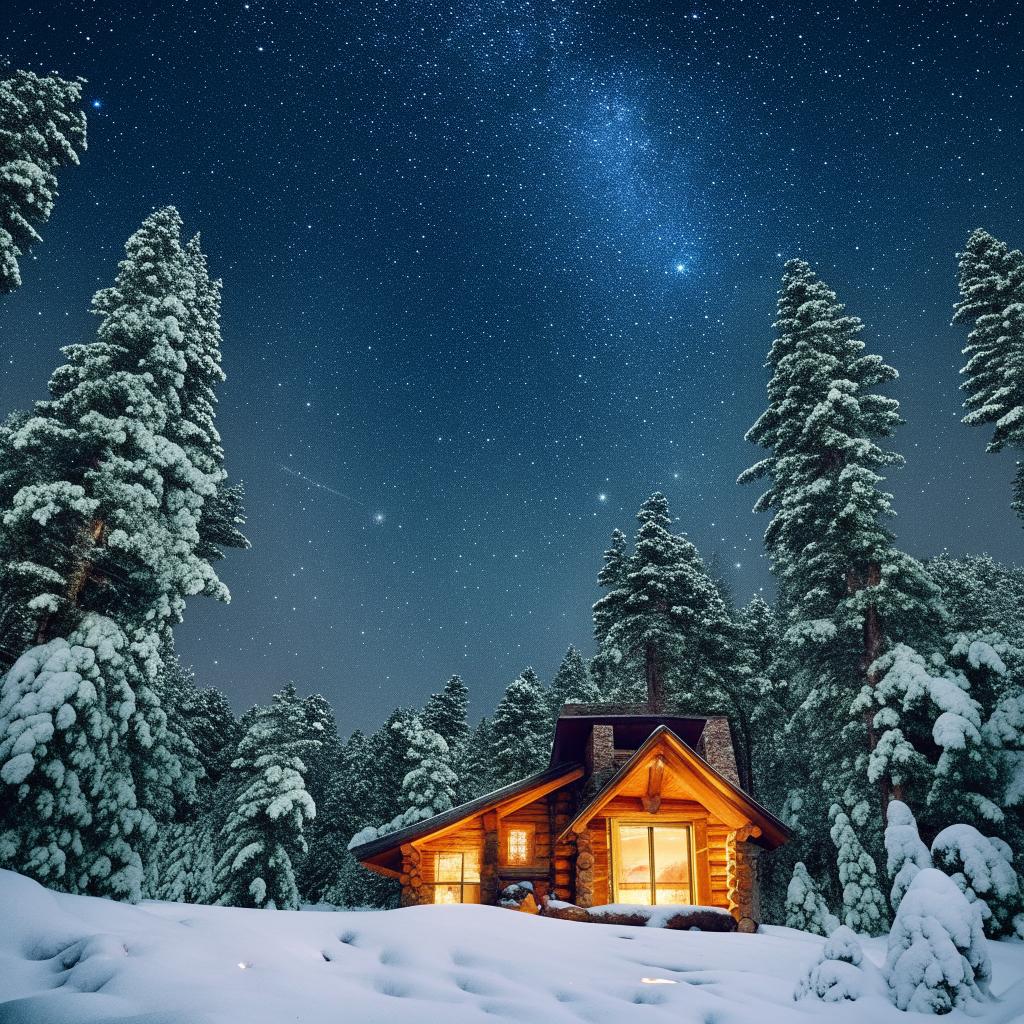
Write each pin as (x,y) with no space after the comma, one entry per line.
(91,537)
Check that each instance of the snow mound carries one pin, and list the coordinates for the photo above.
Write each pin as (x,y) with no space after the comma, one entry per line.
(71,959)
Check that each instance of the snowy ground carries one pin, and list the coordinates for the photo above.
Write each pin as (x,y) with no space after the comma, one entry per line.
(75,959)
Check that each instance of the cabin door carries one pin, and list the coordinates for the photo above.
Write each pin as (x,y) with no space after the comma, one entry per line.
(651,864)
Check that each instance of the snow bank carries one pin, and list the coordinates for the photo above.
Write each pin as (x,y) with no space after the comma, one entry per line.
(71,959)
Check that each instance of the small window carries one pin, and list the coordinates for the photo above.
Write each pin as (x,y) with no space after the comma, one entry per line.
(519,845)
(457,877)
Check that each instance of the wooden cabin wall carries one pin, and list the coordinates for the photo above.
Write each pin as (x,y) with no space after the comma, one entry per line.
(468,837)
(538,871)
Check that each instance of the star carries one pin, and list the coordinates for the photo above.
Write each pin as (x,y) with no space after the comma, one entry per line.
(378,518)
(602,497)
(97,104)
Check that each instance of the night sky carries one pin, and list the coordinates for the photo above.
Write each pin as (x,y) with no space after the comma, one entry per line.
(495,271)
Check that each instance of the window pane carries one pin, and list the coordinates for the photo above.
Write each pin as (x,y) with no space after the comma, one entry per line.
(471,894)
(472,865)
(633,872)
(518,846)
(449,869)
(447,893)
(672,855)
(667,894)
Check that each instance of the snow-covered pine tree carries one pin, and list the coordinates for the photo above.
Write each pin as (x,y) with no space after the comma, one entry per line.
(846,592)
(263,837)
(906,855)
(991,279)
(446,713)
(477,777)
(429,786)
(667,632)
(42,128)
(806,908)
(572,683)
(980,594)
(982,868)
(937,955)
(839,973)
(519,731)
(864,908)
(101,506)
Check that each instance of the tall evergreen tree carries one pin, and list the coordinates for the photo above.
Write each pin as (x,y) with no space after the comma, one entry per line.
(263,838)
(991,279)
(101,510)
(520,740)
(446,713)
(42,128)
(847,592)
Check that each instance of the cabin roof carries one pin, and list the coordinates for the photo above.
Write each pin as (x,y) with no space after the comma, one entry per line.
(550,777)
(773,831)
(633,725)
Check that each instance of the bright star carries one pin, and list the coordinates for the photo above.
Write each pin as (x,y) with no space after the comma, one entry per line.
(680,268)
(96,104)
(602,497)
(378,517)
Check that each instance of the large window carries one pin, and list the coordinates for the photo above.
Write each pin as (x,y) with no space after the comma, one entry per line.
(651,863)
(457,877)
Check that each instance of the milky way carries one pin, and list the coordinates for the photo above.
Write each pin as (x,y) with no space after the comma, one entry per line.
(495,271)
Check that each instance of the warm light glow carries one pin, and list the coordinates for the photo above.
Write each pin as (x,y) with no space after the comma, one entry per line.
(659,981)
(518,846)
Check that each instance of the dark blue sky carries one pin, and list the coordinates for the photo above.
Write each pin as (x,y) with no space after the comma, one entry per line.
(485,263)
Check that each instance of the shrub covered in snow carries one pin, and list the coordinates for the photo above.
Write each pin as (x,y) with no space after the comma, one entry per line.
(982,868)
(937,957)
(838,973)
(806,908)
(864,908)
(906,854)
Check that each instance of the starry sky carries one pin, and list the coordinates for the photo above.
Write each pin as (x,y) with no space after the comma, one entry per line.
(494,271)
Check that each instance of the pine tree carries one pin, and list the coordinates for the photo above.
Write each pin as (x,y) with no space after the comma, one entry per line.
(806,908)
(263,838)
(446,714)
(520,738)
(477,776)
(991,282)
(71,815)
(572,683)
(906,855)
(663,626)
(937,956)
(429,786)
(101,506)
(847,594)
(864,908)
(42,129)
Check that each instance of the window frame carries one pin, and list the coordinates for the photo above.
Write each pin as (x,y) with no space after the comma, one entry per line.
(529,829)
(463,883)
(615,848)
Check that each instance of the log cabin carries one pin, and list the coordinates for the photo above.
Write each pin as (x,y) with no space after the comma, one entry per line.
(635,807)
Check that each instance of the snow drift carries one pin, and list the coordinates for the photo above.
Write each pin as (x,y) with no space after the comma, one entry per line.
(70,959)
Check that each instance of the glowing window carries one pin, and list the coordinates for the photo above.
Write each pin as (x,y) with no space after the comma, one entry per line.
(518,846)
(457,877)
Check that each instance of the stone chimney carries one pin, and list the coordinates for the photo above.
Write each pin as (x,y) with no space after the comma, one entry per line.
(715,746)
(599,757)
